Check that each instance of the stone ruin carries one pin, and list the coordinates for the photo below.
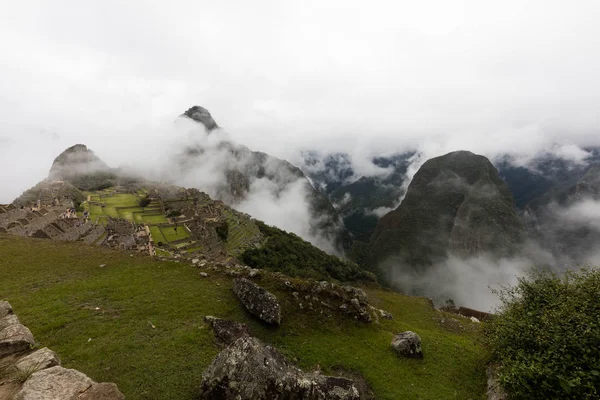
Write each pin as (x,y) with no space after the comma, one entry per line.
(29,373)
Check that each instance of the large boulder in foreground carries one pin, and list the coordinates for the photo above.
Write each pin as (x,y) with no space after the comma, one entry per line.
(15,339)
(407,344)
(58,383)
(257,300)
(249,369)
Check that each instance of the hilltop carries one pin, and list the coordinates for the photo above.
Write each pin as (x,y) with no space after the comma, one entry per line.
(456,203)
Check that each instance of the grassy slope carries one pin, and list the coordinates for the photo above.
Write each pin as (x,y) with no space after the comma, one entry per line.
(55,287)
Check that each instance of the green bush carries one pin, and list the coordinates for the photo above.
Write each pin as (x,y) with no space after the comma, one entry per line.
(288,253)
(144,201)
(223,231)
(546,336)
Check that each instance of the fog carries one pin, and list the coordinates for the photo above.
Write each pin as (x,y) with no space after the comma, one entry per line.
(366,79)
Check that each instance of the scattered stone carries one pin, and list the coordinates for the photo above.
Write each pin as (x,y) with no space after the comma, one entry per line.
(102,265)
(344,306)
(54,383)
(385,315)
(475,320)
(407,344)
(254,273)
(257,300)
(38,360)
(204,274)
(249,369)
(195,261)
(227,332)
(15,339)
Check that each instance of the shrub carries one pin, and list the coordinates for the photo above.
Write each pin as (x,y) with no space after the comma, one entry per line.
(546,336)
(223,231)
(173,213)
(144,201)
(288,253)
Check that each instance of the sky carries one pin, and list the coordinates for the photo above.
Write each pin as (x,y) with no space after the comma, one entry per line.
(279,76)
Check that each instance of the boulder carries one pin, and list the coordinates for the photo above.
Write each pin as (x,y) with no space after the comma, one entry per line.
(15,339)
(408,344)
(38,360)
(5,309)
(102,391)
(227,332)
(257,300)
(56,383)
(249,369)
(10,319)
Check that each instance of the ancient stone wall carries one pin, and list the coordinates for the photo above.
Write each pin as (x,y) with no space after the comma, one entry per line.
(33,373)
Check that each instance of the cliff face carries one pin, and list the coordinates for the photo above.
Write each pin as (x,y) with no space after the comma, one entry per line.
(456,203)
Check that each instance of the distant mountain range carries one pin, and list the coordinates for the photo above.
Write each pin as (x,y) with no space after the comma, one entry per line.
(459,204)
(540,187)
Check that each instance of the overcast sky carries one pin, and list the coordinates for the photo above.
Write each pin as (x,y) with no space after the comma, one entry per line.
(280,75)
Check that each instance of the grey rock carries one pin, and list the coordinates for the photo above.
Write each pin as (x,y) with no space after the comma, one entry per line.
(102,391)
(5,309)
(494,390)
(10,319)
(257,300)
(408,344)
(384,314)
(227,332)
(15,339)
(203,274)
(56,383)
(248,369)
(38,360)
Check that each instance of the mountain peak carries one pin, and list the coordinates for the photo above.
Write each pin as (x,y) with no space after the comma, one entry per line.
(75,160)
(202,115)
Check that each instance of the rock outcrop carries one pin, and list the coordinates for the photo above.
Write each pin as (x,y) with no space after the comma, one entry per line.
(44,378)
(202,115)
(257,300)
(227,332)
(249,369)
(407,344)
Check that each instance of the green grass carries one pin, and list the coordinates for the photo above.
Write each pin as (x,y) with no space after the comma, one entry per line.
(157,235)
(127,213)
(154,219)
(55,287)
(171,235)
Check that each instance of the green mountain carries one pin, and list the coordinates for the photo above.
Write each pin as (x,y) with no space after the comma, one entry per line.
(456,203)
(242,167)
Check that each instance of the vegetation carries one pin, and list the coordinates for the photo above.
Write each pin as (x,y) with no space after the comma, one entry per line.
(546,336)
(223,231)
(288,253)
(145,321)
(144,201)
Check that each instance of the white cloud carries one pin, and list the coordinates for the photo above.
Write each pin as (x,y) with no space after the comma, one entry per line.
(280,76)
